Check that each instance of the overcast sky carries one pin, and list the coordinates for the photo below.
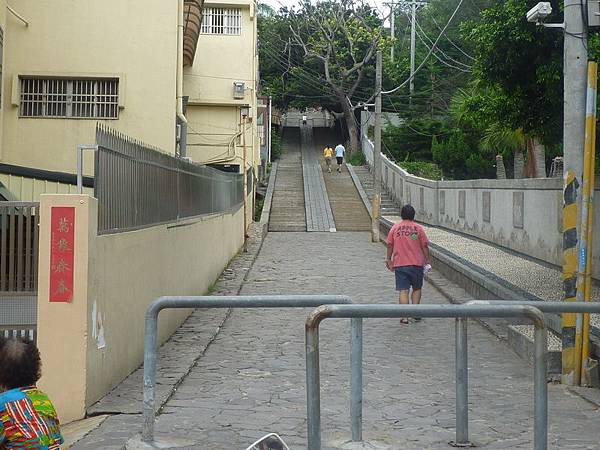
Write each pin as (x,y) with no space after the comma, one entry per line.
(288,3)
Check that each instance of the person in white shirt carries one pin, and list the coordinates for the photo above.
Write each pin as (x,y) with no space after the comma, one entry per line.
(340,151)
(304,120)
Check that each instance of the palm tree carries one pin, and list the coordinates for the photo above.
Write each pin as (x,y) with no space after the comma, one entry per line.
(501,139)
(498,137)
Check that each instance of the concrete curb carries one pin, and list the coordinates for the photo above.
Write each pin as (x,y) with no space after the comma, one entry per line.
(266,211)
(359,188)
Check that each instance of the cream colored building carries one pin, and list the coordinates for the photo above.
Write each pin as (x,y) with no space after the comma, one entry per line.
(221,84)
(78,63)
(69,65)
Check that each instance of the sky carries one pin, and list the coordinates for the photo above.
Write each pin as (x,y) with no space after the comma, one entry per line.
(380,4)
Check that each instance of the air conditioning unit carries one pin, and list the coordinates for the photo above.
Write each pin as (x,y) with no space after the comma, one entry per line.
(239,89)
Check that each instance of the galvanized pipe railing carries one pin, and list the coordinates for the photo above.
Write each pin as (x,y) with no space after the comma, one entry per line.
(546,306)
(313,383)
(250,301)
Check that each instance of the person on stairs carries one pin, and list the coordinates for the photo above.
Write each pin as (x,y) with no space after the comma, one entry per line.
(328,154)
(340,151)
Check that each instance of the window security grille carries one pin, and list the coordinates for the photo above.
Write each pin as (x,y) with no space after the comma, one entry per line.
(78,99)
(222,21)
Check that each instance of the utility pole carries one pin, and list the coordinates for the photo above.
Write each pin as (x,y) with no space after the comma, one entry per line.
(575,86)
(392,29)
(413,44)
(269,132)
(377,152)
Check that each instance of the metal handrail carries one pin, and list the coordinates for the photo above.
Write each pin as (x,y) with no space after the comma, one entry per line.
(249,301)
(460,312)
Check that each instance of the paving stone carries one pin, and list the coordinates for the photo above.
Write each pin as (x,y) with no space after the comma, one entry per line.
(408,370)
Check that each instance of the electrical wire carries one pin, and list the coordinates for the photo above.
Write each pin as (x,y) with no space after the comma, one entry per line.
(411,77)
(435,55)
(420,32)
(452,42)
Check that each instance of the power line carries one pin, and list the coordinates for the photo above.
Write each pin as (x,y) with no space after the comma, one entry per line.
(420,30)
(452,42)
(429,53)
(435,55)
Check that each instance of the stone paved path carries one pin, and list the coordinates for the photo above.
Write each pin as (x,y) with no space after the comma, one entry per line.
(319,216)
(287,210)
(251,379)
(348,209)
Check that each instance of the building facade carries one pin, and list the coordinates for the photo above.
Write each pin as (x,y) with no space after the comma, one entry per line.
(220,87)
(154,70)
(78,63)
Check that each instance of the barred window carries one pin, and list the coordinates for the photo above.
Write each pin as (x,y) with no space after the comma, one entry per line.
(78,99)
(222,21)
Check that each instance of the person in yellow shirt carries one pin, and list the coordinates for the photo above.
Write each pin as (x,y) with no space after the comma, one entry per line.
(328,154)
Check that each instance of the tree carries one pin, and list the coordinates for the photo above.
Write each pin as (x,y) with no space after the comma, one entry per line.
(339,40)
(524,63)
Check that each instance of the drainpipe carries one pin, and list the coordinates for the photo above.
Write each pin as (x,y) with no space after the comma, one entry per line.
(181,120)
(17,15)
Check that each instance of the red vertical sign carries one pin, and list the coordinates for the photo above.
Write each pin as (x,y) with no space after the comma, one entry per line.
(62,253)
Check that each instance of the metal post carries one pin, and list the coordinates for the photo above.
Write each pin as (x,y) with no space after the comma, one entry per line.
(413,11)
(80,169)
(377,152)
(80,150)
(540,386)
(462,384)
(270,133)
(394,311)
(259,301)
(392,29)
(313,388)
(356,381)
(575,84)
(245,187)
(584,289)
(149,372)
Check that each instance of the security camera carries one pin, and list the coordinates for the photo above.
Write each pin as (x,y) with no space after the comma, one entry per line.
(539,12)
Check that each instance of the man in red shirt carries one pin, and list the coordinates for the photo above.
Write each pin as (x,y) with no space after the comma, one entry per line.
(407,255)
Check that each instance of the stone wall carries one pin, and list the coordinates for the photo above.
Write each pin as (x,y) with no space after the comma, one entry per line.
(523,215)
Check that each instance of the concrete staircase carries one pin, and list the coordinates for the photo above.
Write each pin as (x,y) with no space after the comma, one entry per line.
(388,205)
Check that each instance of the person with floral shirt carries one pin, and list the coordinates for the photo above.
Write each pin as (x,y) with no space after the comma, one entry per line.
(28,419)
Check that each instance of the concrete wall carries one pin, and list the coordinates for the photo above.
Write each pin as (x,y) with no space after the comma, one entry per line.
(523,215)
(134,40)
(93,343)
(213,114)
(3,13)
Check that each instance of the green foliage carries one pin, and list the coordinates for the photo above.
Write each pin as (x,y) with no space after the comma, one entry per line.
(422,169)
(295,46)
(412,139)
(521,65)
(260,203)
(356,159)
(276,148)
(459,160)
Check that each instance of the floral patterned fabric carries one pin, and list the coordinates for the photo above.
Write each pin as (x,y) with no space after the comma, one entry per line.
(28,420)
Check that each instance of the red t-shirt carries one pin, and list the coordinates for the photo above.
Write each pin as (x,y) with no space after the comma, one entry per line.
(408,240)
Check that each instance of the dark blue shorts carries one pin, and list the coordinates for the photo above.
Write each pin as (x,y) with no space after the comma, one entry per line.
(407,276)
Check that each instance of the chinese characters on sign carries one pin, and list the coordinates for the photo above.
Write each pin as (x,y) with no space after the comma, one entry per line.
(62,255)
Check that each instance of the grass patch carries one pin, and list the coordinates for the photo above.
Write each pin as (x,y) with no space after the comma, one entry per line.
(356,159)
(422,169)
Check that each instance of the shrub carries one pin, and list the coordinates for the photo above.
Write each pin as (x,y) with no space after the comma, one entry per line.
(356,159)
(422,169)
